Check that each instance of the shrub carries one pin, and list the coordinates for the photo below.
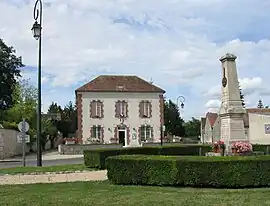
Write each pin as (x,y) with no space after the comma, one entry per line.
(96,158)
(262,148)
(197,171)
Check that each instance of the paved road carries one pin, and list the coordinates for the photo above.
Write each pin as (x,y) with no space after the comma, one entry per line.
(33,162)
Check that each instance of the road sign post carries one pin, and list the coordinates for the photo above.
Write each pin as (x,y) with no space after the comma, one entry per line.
(23,127)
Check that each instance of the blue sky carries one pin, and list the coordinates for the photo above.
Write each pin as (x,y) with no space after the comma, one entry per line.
(176,43)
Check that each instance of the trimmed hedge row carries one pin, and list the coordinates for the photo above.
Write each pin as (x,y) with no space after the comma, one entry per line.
(262,148)
(96,158)
(197,171)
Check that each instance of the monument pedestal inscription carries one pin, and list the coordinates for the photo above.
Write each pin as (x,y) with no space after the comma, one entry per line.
(231,110)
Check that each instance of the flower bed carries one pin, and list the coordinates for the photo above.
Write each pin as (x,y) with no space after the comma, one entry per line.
(219,147)
(241,148)
(197,171)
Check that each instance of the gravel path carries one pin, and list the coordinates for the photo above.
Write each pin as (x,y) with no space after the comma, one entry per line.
(53,177)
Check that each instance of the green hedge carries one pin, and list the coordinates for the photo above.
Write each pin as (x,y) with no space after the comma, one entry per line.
(96,158)
(262,148)
(197,171)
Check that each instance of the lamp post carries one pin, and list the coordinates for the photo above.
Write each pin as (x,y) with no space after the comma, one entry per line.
(181,99)
(36,29)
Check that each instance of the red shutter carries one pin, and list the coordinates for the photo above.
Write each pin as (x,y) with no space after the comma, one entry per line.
(117,109)
(126,105)
(102,135)
(128,135)
(92,109)
(91,132)
(139,135)
(102,110)
(141,109)
(98,109)
(150,109)
(152,134)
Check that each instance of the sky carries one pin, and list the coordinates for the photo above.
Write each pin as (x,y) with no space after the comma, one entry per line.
(174,43)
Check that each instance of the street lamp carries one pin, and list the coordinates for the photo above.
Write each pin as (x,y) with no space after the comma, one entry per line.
(181,99)
(36,29)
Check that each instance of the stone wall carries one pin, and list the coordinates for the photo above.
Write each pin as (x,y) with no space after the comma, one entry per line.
(79,148)
(8,144)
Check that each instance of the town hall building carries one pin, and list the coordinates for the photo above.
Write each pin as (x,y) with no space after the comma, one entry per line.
(119,109)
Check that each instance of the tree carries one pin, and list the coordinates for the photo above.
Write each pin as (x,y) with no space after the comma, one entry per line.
(24,97)
(193,128)
(9,72)
(68,122)
(173,121)
(49,132)
(260,104)
(242,98)
(54,108)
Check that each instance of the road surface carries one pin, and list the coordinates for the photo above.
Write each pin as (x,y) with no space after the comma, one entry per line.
(33,162)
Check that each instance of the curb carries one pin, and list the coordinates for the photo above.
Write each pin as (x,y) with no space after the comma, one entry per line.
(6,161)
(47,173)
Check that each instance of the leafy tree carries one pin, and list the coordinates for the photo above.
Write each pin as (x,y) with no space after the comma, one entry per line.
(9,72)
(54,108)
(242,98)
(49,132)
(173,121)
(25,101)
(193,128)
(68,122)
(260,104)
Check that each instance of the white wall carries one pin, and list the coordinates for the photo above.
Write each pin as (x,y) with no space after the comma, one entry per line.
(256,128)
(110,121)
(209,133)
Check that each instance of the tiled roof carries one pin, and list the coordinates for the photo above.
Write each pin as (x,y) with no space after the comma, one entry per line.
(265,111)
(110,83)
(212,118)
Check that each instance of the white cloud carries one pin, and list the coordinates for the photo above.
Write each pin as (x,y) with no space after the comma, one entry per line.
(176,42)
(213,103)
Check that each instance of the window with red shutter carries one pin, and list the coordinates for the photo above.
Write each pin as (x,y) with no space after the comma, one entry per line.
(121,109)
(96,109)
(96,134)
(145,109)
(146,133)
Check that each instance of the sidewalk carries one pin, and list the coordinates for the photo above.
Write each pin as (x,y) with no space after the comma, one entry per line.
(46,156)
(53,177)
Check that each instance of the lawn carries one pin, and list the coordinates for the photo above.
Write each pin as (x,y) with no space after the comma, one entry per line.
(104,193)
(58,168)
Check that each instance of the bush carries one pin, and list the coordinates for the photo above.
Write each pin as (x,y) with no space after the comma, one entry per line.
(96,158)
(197,171)
(261,148)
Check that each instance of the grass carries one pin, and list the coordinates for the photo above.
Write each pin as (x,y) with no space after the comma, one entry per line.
(104,193)
(58,168)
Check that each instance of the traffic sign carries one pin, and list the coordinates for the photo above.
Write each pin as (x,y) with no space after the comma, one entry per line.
(20,138)
(23,125)
(163,128)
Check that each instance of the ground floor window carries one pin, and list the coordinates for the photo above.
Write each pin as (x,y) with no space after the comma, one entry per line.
(96,133)
(146,133)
